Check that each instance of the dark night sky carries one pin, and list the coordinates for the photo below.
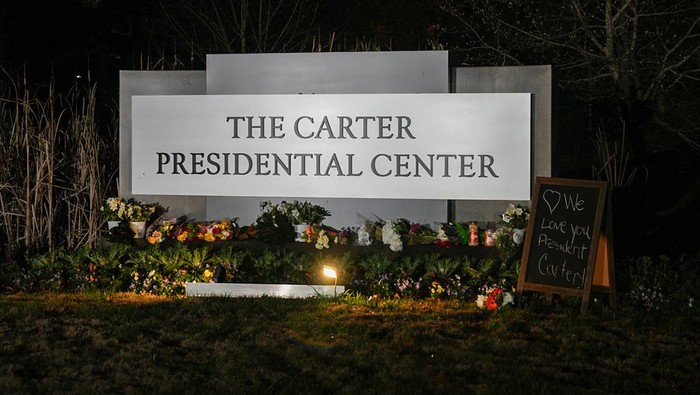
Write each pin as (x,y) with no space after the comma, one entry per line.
(65,38)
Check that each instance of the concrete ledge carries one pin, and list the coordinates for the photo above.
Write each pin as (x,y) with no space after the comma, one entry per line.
(238,290)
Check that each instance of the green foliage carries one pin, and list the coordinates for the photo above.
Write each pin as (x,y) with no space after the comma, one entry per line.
(105,267)
(43,271)
(280,267)
(659,286)
(237,263)
(441,267)
(651,284)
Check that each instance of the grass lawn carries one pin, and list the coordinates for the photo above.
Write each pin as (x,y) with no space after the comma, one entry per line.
(122,343)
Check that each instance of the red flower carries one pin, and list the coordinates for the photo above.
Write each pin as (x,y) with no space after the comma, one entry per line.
(491,303)
(493,298)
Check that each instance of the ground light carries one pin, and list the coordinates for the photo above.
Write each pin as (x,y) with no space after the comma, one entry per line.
(331,273)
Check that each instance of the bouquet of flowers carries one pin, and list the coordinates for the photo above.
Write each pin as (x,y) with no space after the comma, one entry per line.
(324,236)
(161,231)
(219,230)
(139,212)
(447,235)
(395,233)
(323,239)
(515,221)
(307,213)
(370,233)
(347,236)
(295,213)
(515,217)
(187,233)
(392,231)
(420,234)
(114,209)
(493,297)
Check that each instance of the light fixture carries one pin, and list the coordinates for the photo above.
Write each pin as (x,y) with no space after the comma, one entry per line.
(331,273)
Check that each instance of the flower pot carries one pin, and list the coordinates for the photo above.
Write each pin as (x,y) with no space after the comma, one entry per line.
(300,232)
(113,224)
(139,229)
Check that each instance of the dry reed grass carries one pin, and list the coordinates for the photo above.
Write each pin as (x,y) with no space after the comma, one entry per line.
(52,180)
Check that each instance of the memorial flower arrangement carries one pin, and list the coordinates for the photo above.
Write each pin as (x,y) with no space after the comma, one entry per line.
(294,213)
(218,231)
(395,233)
(136,211)
(307,213)
(493,297)
(420,234)
(364,235)
(322,240)
(325,236)
(161,232)
(114,209)
(392,231)
(347,236)
(447,235)
(187,233)
(276,222)
(515,220)
(515,216)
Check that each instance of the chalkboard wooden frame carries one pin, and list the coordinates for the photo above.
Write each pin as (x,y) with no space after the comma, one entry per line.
(596,260)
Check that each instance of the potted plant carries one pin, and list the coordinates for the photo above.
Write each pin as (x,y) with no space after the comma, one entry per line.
(113,211)
(303,215)
(279,218)
(515,218)
(138,214)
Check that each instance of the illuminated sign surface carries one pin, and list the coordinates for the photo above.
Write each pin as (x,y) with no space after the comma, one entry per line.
(413,146)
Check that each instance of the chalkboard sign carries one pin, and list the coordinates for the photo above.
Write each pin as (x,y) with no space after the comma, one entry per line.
(563,232)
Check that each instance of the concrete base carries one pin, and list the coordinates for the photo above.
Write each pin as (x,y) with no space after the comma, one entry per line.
(239,290)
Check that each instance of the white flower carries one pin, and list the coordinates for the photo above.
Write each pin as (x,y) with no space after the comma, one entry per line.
(363,238)
(395,244)
(390,237)
(480,301)
(114,203)
(387,231)
(322,241)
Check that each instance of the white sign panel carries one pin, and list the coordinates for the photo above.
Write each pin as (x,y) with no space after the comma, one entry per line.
(413,146)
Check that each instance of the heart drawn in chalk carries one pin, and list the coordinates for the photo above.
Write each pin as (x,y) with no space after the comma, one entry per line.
(552,199)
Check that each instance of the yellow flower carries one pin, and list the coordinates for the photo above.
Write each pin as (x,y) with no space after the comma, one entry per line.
(208,275)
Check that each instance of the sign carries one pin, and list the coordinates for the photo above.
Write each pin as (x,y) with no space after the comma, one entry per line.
(399,146)
(562,240)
